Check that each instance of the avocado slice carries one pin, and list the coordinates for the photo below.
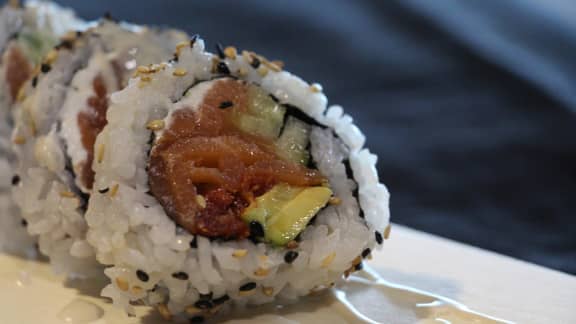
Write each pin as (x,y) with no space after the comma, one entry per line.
(291,145)
(284,211)
(263,116)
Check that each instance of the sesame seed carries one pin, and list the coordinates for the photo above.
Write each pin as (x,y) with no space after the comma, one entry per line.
(256,229)
(197,319)
(191,310)
(24,222)
(379,238)
(387,231)
(261,272)
(222,68)
(292,244)
(164,312)
(51,56)
(230,52)
(366,253)
(290,256)
(67,194)
(143,276)
(248,286)
(328,260)
(193,40)
(268,291)
(242,72)
(137,289)
(263,71)
(194,243)
(272,66)
(239,253)
(220,51)
(19,140)
(114,190)
(34,81)
(122,284)
(180,46)
(155,125)
(145,78)
(221,300)
(359,266)
(100,155)
(315,88)
(201,201)
(180,275)
(335,201)
(279,64)
(226,104)
(15,179)
(179,72)
(143,69)
(103,191)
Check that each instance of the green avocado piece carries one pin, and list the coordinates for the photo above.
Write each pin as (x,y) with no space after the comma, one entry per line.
(270,203)
(291,145)
(263,117)
(284,211)
(293,217)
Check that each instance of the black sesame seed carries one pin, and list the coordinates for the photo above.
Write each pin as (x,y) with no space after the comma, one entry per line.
(15,179)
(45,68)
(67,44)
(180,275)
(221,300)
(222,68)
(247,287)
(197,319)
(143,276)
(226,104)
(366,253)
(24,222)
(274,98)
(193,40)
(207,296)
(290,256)
(34,81)
(194,243)
(203,304)
(256,229)
(359,266)
(379,238)
(175,58)
(255,62)
(108,16)
(220,51)
(103,191)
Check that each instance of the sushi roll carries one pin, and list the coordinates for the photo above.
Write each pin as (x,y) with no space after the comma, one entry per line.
(26,34)
(222,180)
(60,111)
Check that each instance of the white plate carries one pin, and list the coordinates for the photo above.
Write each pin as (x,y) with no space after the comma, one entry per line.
(30,285)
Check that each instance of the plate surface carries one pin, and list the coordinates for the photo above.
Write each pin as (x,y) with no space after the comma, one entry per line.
(30,293)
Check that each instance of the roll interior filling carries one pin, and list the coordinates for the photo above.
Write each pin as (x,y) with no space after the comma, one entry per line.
(231,163)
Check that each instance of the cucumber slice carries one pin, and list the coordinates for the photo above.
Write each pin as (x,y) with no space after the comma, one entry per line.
(293,142)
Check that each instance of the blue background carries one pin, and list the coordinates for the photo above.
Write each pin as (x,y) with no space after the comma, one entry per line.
(470,105)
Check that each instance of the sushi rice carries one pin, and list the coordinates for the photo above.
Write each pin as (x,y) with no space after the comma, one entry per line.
(150,259)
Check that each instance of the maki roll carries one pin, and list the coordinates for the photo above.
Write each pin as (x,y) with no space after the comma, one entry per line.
(222,180)
(60,111)
(27,33)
